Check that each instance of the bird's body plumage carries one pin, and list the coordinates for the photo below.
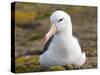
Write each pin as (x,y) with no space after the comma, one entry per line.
(64,48)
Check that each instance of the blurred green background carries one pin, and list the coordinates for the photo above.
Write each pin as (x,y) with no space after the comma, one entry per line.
(32,23)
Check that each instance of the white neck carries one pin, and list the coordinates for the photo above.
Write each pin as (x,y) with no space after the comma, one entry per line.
(67,31)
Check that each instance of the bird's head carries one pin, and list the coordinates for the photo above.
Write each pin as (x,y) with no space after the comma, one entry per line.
(59,22)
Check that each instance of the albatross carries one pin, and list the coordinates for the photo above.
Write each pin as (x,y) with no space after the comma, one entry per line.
(61,48)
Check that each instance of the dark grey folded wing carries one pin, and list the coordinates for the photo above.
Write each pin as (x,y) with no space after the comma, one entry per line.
(76,36)
(46,46)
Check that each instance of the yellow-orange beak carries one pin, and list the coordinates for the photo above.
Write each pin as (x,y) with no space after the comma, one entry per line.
(51,32)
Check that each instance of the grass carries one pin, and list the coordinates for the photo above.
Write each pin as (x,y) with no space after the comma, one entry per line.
(28,64)
(36,36)
(56,68)
(31,64)
(24,17)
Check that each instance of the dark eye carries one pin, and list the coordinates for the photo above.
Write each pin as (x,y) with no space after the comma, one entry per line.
(60,20)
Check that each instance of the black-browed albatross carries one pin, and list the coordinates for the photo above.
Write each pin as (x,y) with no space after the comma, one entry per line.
(61,48)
